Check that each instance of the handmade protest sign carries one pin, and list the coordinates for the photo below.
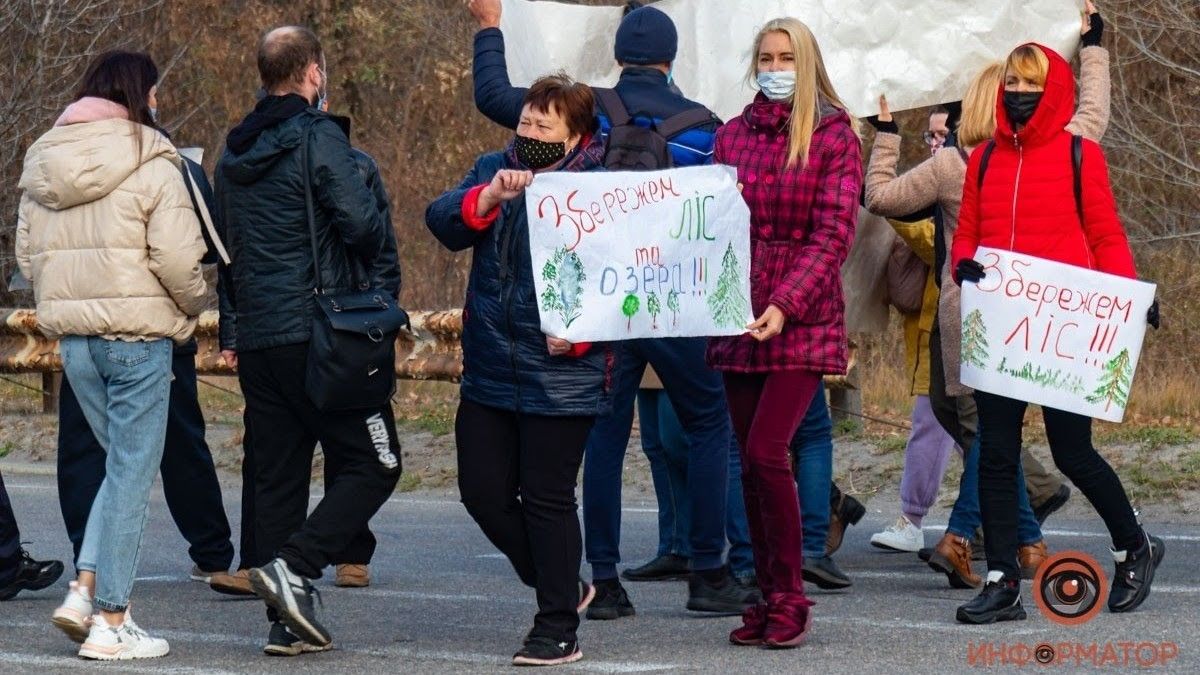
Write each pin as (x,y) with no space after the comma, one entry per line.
(1057,335)
(625,255)
(918,52)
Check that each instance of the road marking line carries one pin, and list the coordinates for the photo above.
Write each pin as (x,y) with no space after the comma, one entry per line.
(212,638)
(65,662)
(1080,533)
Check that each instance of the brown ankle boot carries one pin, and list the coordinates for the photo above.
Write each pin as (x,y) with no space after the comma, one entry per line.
(1031,558)
(952,557)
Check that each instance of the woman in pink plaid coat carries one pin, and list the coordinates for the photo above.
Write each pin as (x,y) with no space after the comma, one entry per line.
(799,163)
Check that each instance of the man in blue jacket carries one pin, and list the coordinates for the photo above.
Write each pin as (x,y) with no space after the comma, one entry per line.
(646,45)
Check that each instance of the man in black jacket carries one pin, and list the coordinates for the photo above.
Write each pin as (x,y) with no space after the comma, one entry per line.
(261,188)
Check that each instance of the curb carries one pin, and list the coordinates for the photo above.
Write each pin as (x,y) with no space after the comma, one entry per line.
(15,468)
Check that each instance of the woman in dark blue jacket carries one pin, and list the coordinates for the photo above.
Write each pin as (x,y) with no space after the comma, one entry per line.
(528,399)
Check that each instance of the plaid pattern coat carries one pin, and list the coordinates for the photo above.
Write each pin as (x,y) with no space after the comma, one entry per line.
(801,228)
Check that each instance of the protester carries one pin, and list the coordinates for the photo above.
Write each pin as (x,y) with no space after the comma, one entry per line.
(300,221)
(190,483)
(108,237)
(938,181)
(910,273)
(528,400)
(1030,158)
(812,459)
(938,133)
(18,571)
(798,158)
(646,44)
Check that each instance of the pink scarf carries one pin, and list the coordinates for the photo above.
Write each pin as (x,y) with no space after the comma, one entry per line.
(91,109)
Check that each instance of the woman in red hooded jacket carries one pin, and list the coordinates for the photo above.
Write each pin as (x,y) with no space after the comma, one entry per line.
(1027,203)
(799,162)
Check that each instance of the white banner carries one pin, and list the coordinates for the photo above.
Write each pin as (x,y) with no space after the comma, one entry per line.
(918,52)
(622,255)
(1053,334)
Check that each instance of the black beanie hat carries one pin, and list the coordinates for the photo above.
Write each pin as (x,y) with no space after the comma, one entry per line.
(646,36)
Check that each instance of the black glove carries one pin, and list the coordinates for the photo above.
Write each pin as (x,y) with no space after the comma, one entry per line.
(1095,31)
(969,270)
(885,127)
(1152,315)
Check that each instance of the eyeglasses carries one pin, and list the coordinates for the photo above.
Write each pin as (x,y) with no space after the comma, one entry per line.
(934,138)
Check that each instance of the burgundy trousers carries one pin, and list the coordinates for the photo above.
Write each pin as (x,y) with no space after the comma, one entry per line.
(766,410)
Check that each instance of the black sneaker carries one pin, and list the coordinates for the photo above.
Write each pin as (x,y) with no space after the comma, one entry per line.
(727,597)
(669,567)
(925,554)
(611,601)
(282,642)
(291,595)
(824,573)
(1054,503)
(1134,574)
(1000,600)
(544,651)
(32,575)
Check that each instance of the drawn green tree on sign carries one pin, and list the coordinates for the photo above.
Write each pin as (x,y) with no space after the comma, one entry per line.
(629,308)
(653,307)
(673,305)
(564,277)
(1114,382)
(727,304)
(974,340)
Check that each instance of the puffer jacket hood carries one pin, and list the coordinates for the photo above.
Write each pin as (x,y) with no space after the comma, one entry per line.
(79,163)
(1054,111)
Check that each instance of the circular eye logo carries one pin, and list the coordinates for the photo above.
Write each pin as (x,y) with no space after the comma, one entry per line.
(1069,588)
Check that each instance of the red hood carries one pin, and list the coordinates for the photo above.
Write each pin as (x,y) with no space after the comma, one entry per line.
(1052,114)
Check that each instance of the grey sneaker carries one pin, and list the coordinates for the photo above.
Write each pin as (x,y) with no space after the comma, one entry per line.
(281,642)
(291,595)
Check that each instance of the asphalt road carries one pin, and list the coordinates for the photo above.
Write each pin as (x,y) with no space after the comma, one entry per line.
(444,601)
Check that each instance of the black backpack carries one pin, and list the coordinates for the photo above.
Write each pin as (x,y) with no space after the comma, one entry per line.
(1076,165)
(632,147)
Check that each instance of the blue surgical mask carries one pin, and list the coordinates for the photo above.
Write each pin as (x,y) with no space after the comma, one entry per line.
(778,85)
(671,74)
(154,115)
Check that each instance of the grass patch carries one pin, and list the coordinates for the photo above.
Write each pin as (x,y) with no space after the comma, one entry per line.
(1155,479)
(409,482)
(1149,438)
(6,448)
(847,428)
(891,444)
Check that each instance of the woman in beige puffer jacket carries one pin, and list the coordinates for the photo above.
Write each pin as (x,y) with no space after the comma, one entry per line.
(108,236)
(106,232)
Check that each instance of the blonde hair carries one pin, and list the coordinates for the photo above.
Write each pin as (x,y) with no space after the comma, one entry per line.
(1030,63)
(811,80)
(978,122)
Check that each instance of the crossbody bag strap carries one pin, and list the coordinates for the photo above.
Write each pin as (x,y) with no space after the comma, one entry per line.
(319,287)
(205,216)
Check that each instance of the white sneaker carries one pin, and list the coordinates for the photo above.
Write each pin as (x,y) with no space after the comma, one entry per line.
(74,616)
(121,643)
(900,536)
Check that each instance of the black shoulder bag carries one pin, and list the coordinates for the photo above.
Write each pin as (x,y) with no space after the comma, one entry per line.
(352,352)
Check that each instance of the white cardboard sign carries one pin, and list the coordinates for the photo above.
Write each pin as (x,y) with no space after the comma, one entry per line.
(918,52)
(1057,335)
(622,255)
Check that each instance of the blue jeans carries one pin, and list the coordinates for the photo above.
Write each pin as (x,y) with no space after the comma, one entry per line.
(966,516)
(697,394)
(124,391)
(812,451)
(665,446)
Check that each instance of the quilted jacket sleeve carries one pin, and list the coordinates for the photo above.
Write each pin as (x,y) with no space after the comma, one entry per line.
(835,212)
(1101,224)
(176,245)
(495,96)
(444,216)
(340,188)
(890,195)
(24,258)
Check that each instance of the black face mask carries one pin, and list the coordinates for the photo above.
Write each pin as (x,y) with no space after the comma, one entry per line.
(537,154)
(1020,105)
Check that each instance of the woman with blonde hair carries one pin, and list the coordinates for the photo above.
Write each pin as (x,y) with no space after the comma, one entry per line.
(1019,204)
(798,159)
(938,181)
